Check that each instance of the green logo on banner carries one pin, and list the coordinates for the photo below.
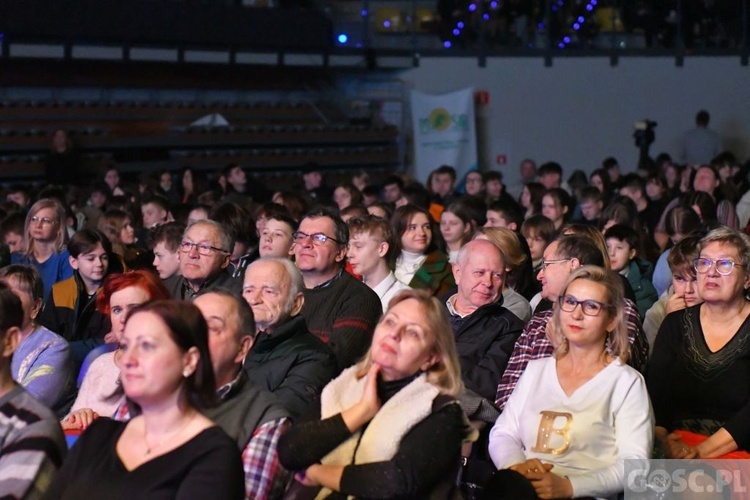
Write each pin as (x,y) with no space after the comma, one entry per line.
(439,120)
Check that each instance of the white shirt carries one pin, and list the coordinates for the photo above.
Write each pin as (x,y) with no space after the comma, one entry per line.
(407,265)
(609,419)
(388,288)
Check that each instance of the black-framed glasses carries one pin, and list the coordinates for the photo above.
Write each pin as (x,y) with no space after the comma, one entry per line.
(318,239)
(590,307)
(46,221)
(723,266)
(547,263)
(203,248)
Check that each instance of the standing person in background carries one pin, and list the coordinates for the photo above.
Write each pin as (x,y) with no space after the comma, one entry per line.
(701,144)
(32,445)
(314,187)
(61,166)
(44,243)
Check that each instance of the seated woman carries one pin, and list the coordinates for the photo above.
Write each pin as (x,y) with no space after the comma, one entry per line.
(42,363)
(574,418)
(101,390)
(419,261)
(171,450)
(389,426)
(699,372)
(44,239)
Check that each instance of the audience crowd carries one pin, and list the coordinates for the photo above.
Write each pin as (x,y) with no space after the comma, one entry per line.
(204,336)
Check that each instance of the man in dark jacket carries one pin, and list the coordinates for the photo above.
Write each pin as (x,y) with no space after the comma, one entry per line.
(285,357)
(204,256)
(485,331)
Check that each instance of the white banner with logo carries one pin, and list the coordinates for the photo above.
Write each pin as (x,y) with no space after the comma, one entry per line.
(444,132)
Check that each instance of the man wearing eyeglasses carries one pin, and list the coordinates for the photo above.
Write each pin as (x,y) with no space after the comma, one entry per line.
(561,258)
(204,256)
(339,309)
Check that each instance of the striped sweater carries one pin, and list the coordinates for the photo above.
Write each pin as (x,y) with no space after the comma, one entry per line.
(32,446)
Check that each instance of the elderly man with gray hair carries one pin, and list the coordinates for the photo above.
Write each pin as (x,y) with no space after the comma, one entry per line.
(205,250)
(285,358)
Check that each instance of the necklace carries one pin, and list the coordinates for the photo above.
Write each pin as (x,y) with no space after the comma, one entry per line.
(150,448)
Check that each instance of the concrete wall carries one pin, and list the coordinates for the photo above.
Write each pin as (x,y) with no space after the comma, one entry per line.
(581,110)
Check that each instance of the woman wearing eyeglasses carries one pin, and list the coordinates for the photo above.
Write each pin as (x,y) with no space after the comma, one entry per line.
(44,239)
(574,418)
(699,373)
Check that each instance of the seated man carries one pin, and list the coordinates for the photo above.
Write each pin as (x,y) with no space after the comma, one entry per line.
(485,331)
(32,446)
(338,309)
(285,358)
(369,253)
(561,258)
(250,415)
(204,256)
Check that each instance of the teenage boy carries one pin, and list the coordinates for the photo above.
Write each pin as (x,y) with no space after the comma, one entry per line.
(368,253)
(622,246)
(32,445)
(166,241)
(70,310)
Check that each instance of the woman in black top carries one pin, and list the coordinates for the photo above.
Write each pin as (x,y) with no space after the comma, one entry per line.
(699,373)
(388,427)
(171,450)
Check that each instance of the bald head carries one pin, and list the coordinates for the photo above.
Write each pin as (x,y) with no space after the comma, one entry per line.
(479,272)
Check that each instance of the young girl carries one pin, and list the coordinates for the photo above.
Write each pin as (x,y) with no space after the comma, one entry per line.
(457,225)
(555,204)
(44,243)
(538,231)
(118,227)
(419,263)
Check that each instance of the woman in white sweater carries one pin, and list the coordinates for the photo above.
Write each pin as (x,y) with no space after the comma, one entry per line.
(574,418)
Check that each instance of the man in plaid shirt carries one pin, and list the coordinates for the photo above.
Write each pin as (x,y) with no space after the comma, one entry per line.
(252,416)
(561,258)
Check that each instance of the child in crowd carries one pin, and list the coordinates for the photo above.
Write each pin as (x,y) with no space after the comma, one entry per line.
(166,241)
(11,232)
(369,253)
(71,308)
(684,290)
(457,227)
(538,231)
(622,246)
(155,212)
(276,236)
(591,204)
(504,214)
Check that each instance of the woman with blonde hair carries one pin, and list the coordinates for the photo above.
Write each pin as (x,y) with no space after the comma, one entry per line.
(390,426)
(574,418)
(44,239)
